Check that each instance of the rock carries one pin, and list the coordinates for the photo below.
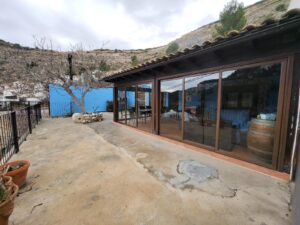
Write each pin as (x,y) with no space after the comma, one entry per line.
(76,117)
(87,117)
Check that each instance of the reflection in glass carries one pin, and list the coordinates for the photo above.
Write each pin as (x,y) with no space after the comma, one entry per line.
(121,105)
(248,112)
(144,107)
(131,105)
(171,108)
(200,108)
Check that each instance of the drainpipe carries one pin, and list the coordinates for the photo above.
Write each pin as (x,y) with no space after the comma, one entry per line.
(294,148)
(295,151)
(296,194)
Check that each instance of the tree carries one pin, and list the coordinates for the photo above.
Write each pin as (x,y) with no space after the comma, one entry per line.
(172,48)
(231,18)
(53,67)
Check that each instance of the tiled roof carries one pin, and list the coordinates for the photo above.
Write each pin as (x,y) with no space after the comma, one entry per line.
(251,28)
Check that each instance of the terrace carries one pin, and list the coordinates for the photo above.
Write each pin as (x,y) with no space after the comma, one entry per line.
(106,173)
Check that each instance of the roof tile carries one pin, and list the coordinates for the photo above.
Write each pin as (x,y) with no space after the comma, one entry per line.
(250,27)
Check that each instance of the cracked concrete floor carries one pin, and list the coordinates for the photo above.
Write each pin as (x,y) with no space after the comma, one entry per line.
(119,176)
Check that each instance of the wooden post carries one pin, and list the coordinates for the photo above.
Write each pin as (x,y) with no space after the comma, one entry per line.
(115,105)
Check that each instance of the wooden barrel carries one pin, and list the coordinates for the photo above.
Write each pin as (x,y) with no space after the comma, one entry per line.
(260,138)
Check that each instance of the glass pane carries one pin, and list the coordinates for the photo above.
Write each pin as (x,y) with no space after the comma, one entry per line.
(248,113)
(171,108)
(121,105)
(131,107)
(144,107)
(200,108)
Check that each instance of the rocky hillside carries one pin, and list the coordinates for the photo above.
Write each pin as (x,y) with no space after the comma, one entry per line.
(13,56)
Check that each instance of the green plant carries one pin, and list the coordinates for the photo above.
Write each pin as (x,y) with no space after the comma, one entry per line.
(3,192)
(104,67)
(281,8)
(134,60)
(15,167)
(18,46)
(172,48)
(31,65)
(231,18)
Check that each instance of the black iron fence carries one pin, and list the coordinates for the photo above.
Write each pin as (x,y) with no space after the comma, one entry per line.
(15,127)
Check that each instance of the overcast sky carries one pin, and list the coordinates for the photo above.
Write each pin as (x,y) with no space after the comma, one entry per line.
(122,24)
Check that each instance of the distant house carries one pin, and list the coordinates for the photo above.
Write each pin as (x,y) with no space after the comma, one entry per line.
(234,95)
(9,96)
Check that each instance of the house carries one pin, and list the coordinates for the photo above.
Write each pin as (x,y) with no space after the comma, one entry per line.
(9,96)
(234,95)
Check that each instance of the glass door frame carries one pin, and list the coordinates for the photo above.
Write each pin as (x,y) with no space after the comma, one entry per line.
(125,85)
(280,124)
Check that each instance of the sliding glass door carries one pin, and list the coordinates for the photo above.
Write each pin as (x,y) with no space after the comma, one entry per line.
(232,111)
(122,105)
(131,106)
(135,106)
(200,108)
(144,101)
(249,112)
(171,108)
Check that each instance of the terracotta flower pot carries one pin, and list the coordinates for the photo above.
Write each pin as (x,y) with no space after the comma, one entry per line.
(6,207)
(18,175)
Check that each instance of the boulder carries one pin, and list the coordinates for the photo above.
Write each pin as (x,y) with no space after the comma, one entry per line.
(76,117)
(87,117)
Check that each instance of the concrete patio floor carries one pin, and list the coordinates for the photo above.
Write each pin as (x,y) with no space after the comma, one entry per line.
(103,173)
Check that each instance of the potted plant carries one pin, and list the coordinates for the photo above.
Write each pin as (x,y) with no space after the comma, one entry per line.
(8,192)
(17,170)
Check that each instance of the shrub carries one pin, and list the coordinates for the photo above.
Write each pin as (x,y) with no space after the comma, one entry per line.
(104,67)
(134,60)
(172,48)
(31,65)
(281,8)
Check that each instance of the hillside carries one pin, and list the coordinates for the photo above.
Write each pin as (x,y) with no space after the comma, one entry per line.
(255,14)
(14,58)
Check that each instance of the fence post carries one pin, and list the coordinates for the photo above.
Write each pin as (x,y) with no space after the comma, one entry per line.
(40,111)
(29,119)
(49,109)
(15,130)
(36,113)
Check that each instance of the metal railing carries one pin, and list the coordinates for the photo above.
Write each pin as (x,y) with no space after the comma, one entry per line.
(15,126)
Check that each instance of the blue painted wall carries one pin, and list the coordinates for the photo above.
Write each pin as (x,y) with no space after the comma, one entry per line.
(61,102)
